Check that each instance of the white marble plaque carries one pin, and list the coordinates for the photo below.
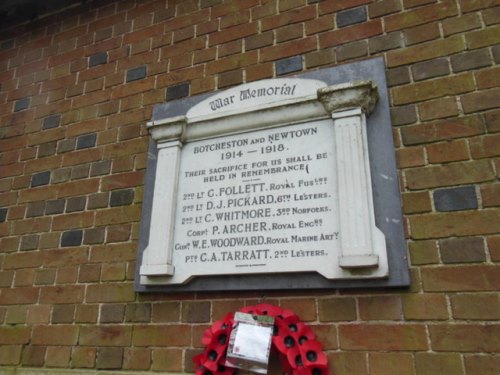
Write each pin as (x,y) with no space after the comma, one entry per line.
(258,202)
(265,178)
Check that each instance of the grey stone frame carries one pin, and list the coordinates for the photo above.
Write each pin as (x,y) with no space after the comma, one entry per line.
(385,185)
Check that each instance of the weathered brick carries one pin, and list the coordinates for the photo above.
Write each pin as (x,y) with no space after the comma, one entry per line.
(383,363)
(431,89)
(488,78)
(63,314)
(442,130)
(34,356)
(55,335)
(385,42)
(352,50)
(337,309)
(107,293)
(396,337)
(483,38)
(167,312)
(425,307)
(461,223)
(465,337)
(443,152)
(105,335)
(421,15)
(461,278)
(471,60)
(178,91)
(462,250)
(136,359)
(161,335)
(351,16)
(490,195)
(10,355)
(380,308)
(449,174)
(288,65)
(416,202)
(478,364)
(455,199)
(422,33)
(425,51)
(62,294)
(430,69)
(349,34)
(383,7)
(479,101)
(136,312)
(195,312)
(403,115)
(14,335)
(167,360)
(437,363)
(410,157)
(82,357)
(109,358)
(475,306)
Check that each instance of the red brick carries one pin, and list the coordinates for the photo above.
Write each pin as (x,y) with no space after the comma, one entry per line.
(437,363)
(136,359)
(62,294)
(478,364)
(443,152)
(410,157)
(337,309)
(161,335)
(380,308)
(460,24)
(106,335)
(480,101)
(416,202)
(167,360)
(415,3)
(383,7)
(232,33)
(334,6)
(422,33)
(425,51)
(122,292)
(391,363)
(288,18)
(10,354)
(483,38)
(55,335)
(438,108)
(62,257)
(14,335)
(475,306)
(485,146)
(296,47)
(442,130)
(349,34)
(449,174)
(488,78)
(465,337)
(490,195)
(425,307)
(58,356)
(461,278)
(396,337)
(22,260)
(233,62)
(83,357)
(430,89)
(421,15)
(471,5)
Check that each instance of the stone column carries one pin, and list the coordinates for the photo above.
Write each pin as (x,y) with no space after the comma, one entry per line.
(349,104)
(157,257)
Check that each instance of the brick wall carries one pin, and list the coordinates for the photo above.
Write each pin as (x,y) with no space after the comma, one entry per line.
(77,88)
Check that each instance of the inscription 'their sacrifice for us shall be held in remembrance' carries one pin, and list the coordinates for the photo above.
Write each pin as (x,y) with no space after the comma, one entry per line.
(260,202)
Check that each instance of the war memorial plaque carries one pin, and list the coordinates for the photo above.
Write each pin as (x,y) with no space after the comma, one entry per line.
(268,178)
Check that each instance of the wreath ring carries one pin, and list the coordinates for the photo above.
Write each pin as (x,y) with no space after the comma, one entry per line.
(299,351)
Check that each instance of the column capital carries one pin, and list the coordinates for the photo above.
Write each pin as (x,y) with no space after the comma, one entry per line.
(344,96)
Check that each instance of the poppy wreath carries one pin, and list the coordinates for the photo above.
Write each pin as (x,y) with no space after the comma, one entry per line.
(299,351)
